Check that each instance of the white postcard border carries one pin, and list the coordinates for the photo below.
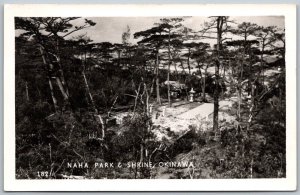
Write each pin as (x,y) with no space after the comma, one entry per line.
(105,10)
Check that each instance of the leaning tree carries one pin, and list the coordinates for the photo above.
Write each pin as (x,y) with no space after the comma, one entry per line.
(49,33)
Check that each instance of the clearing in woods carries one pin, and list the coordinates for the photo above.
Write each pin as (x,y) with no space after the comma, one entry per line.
(184,114)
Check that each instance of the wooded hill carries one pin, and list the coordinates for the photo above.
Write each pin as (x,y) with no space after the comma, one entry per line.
(68,91)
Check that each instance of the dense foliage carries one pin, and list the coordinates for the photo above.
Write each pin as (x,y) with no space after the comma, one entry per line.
(69,93)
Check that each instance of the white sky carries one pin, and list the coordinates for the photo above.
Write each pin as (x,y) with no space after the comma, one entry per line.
(111,28)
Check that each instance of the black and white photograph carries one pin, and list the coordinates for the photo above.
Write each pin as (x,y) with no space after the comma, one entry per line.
(150,97)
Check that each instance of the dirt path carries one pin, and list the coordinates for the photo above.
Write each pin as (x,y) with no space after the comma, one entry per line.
(203,110)
(178,119)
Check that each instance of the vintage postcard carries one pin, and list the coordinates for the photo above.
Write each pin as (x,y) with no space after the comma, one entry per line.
(150,97)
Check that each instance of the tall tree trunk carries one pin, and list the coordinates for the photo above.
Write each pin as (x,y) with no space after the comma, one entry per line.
(61,72)
(26,91)
(157,80)
(52,94)
(224,71)
(169,92)
(201,77)
(49,79)
(176,71)
(153,80)
(239,102)
(152,85)
(251,90)
(188,60)
(147,99)
(60,80)
(220,21)
(216,99)
(141,153)
(119,58)
(204,84)
(261,72)
(240,88)
(250,79)
(97,115)
(250,72)
(86,85)
(199,67)
(251,109)
(168,76)
(182,66)
(61,88)
(183,72)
